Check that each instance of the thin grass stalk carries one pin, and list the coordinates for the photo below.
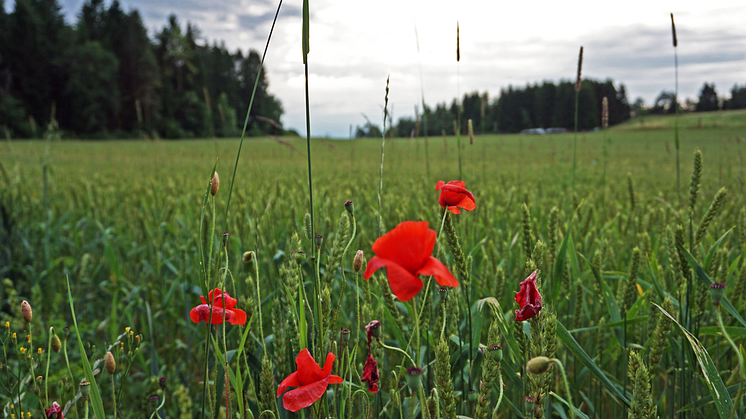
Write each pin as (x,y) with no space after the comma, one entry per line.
(383,143)
(458,100)
(248,112)
(424,109)
(575,136)
(676,107)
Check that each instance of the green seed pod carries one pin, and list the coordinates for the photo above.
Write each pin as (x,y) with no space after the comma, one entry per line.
(350,207)
(414,379)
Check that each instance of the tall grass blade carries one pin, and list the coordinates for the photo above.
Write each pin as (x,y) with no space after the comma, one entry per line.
(718,391)
(96,402)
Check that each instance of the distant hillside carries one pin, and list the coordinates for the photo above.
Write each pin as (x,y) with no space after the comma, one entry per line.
(698,120)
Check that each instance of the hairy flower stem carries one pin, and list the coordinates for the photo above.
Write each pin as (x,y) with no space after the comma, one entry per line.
(383,142)
(69,371)
(46,375)
(114,395)
(207,286)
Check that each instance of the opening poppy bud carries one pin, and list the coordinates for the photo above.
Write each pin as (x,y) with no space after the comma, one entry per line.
(26,311)
(319,239)
(110,363)
(162,383)
(299,257)
(248,256)
(496,351)
(529,402)
(350,207)
(538,365)
(359,261)
(374,329)
(56,344)
(414,380)
(215,184)
(717,291)
(307,225)
(85,388)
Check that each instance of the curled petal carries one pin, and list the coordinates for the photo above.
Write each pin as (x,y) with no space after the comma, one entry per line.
(436,268)
(201,313)
(291,381)
(237,317)
(409,244)
(371,375)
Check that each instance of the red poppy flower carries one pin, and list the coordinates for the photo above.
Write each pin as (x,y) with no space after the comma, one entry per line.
(54,412)
(528,298)
(370,374)
(405,252)
(453,195)
(222,305)
(310,379)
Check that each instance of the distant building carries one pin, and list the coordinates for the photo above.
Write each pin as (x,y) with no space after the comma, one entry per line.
(555,130)
(533,131)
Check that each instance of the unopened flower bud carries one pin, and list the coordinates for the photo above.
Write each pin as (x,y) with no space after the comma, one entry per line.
(350,207)
(214,184)
(248,256)
(538,365)
(26,311)
(56,344)
(414,379)
(496,351)
(528,403)
(717,291)
(110,363)
(358,261)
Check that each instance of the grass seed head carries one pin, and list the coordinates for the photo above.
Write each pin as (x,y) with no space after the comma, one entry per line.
(605,112)
(307,226)
(471,132)
(580,70)
(673,32)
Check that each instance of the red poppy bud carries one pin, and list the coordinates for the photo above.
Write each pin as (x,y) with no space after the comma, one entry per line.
(26,311)
(453,195)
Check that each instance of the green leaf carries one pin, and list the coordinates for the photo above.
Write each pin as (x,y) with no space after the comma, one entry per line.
(578,412)
(706,280)
(507,332)
(718,391)
(574,347)
(713,248)
(96,402)
(733,331)
(559,264)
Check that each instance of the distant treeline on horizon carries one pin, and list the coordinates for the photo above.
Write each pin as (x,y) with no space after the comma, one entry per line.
(105,77)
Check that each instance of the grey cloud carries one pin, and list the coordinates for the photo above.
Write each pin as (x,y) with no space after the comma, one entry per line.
(251,22)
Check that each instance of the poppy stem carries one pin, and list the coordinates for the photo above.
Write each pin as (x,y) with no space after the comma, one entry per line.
(393,348)
(567,386)
(259,304)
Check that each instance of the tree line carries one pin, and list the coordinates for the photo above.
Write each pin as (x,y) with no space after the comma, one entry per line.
(105,77)
(707,101)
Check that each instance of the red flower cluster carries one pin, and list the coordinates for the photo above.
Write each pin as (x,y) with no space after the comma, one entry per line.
(54,412)
(222,306)
(310,379)
(528,299)
(405,252)
(453,195)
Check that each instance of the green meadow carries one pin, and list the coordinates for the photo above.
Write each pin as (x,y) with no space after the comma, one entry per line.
(130,224)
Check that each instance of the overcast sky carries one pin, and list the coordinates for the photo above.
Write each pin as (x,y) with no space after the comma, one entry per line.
(356,44)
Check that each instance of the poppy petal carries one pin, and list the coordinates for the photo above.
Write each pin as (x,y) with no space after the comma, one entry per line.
(467,203)
(409,244)
(329,363)
(335,379)
(403,284)
(290,381)
(457,183)
(202,313)
(439,185)
(308,369)
(436,268)
(238,317)
(454,210)
(295,400)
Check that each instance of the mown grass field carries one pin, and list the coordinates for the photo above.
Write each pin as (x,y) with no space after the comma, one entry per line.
(122,221)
